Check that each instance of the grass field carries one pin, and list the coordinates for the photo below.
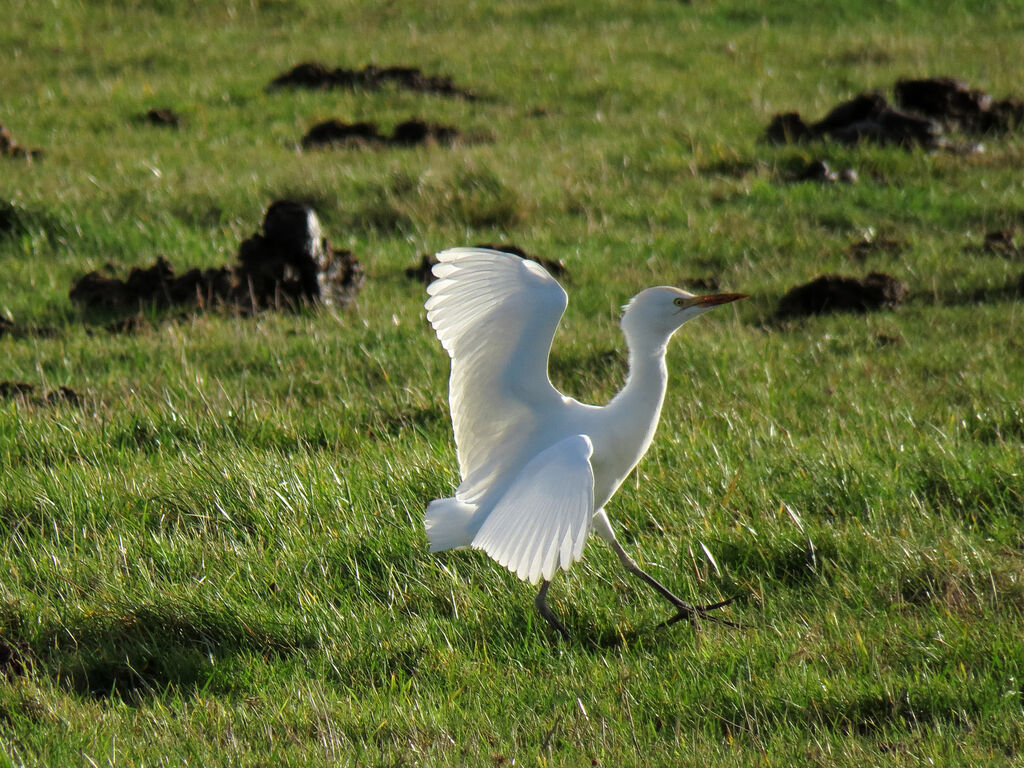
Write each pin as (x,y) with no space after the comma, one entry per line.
(217,557)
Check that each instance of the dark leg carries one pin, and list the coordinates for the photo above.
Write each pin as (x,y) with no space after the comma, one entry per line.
(545,610)
(684,609)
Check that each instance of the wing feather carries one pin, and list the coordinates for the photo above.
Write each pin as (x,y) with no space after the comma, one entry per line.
(495,314)
(542,521)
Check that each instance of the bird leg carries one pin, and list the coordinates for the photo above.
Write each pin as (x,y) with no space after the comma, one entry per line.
(544,609)
(684,609)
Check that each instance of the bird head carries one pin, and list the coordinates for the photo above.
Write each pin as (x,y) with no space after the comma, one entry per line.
(658,312)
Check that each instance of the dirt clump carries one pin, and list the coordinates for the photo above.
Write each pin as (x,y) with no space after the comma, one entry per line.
(924,110)
(821,171)
(421,272)
(841,293)
(788,128)
(408,133)
(130,325)
(293,259)
(956,105)
(9,147)
(1000,242)
(12,389)
(883,340)
(415,131)
(156,284)
(62,395)
(9,328)
(10,219)
(331,132)
(289,264)
(867,117)
(20,390)
(161,116)
(817,170)
(315,75)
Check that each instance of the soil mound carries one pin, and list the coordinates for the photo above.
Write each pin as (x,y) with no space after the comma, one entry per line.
(1001,242)
(409,133)
(9,147)
(8,328)
(293,259)
(318,76)
(868,117)
(955,104)
(162,116)
(924,110)
(421,271)
(11,390)
(155,284)
(289,264)
(820,171)
(840,293)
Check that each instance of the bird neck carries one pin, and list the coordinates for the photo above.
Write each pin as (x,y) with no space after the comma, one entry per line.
(645,386)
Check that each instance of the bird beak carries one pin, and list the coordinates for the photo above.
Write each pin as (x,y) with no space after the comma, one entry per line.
(718,298)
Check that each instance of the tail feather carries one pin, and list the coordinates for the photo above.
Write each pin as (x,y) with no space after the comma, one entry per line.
(448,523)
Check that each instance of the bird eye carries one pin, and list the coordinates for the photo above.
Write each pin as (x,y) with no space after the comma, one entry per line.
(679,302)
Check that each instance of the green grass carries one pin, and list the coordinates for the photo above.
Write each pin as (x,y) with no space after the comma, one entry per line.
(218,557)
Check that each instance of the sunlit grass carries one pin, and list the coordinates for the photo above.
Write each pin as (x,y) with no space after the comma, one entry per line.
(217,558)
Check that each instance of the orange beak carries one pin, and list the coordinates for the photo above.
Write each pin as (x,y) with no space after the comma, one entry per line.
(718,298)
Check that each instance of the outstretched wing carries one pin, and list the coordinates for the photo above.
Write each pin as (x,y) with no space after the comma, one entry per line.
(496,315)
(544,517)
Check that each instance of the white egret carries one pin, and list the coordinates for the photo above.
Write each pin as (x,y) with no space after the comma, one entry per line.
(538,467)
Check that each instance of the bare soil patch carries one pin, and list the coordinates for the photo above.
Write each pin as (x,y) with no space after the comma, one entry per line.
(1000,242)
(822,172)
(409,133)
(924,110)
(958,106)
(841,293)
(315,75)
(20,390)
(161,116)
(289,264)
(9,147)
(9,328)
(868,117)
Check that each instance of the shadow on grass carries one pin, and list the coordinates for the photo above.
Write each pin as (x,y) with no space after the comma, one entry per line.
(1011,290)
(791,563)
(389,661)
(517,629)
(996,425)
(978,494)
(141,651)
(859,713)
(397,422)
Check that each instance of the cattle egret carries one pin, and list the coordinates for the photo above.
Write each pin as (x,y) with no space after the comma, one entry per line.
(538,467)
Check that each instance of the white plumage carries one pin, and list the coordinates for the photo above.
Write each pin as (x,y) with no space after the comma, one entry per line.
(538,467)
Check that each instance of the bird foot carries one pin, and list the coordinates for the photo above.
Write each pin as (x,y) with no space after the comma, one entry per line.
(545,610)
(694,612)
